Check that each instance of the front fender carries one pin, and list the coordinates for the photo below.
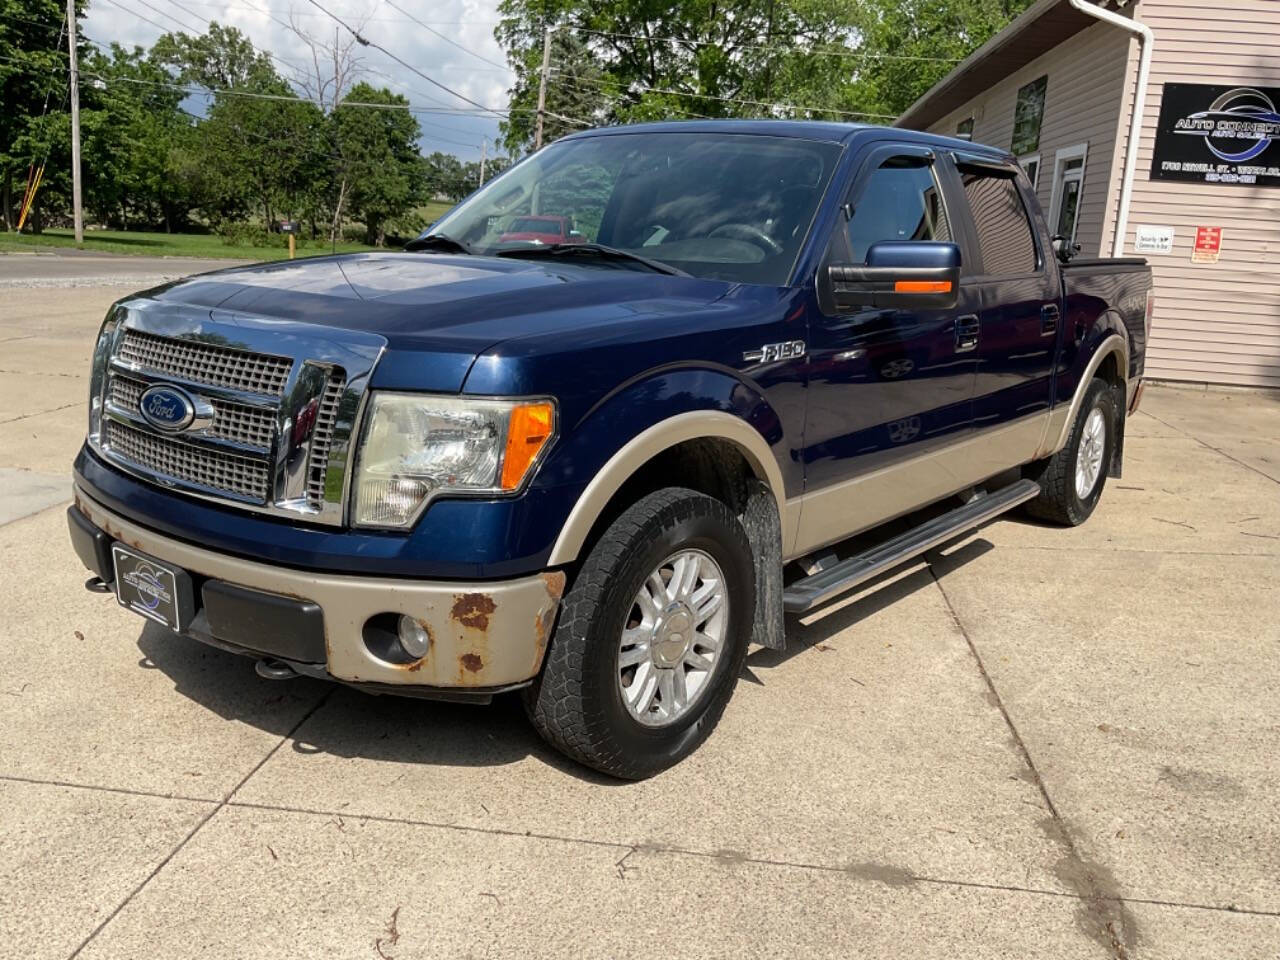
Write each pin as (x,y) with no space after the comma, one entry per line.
(651,414)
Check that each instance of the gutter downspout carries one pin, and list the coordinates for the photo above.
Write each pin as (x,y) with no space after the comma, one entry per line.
(1147,40)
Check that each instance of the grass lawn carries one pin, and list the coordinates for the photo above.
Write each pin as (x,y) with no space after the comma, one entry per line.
(182,244)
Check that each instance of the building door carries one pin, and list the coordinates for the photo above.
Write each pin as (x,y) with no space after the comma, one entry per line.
(885,385)
(1016,288)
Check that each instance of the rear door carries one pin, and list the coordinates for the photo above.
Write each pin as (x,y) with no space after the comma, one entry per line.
(885,385)
(1013,287)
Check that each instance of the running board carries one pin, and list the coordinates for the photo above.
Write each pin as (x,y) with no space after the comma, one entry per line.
(804,595)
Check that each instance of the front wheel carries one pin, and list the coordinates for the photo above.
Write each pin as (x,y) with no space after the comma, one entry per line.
(651,637)
(1071,480)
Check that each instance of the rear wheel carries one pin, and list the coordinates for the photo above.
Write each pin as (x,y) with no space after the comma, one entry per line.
(1071,481)
(651,637)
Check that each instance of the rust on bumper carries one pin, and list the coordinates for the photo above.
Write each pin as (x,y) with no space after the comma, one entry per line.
(483,634)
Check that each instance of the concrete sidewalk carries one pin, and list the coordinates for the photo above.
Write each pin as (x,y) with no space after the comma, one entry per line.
(1048,743)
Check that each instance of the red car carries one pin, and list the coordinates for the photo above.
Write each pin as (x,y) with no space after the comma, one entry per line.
(546,230)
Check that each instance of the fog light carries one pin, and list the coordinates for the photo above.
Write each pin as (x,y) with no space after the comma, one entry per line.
(413,637)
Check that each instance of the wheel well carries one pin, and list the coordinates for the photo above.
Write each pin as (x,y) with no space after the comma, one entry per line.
(708,465)
(1109,370)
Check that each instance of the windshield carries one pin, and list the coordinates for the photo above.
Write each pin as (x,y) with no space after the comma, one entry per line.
(724,206)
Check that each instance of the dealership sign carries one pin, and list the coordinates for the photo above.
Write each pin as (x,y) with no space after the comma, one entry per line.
(1218,134)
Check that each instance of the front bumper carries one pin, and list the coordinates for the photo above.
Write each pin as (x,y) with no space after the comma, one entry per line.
(486,636)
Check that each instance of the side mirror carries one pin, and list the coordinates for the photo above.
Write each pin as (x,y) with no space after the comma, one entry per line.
(1063,249)
(898,274)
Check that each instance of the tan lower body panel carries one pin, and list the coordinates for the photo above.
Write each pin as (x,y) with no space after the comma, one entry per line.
(483,634)
(840,511)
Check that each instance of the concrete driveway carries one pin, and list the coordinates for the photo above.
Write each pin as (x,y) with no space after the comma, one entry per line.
(1048,743)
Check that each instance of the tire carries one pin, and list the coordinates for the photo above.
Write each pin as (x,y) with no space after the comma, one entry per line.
(1061,500)
(577,702)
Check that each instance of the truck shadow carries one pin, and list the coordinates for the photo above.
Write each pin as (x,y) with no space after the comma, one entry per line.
(869,599)
(350,723)
(356,725)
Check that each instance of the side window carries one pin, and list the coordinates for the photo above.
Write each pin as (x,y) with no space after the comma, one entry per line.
(1004,231)
(901,201)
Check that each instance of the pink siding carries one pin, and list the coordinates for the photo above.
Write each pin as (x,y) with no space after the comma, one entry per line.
(1213,322)
(1082,105)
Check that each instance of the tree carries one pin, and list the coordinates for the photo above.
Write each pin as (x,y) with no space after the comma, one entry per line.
(132,130)
(925,38)
(378,160)
(822,59)
(33,91)
(263,147)
(688,58)
(578,97)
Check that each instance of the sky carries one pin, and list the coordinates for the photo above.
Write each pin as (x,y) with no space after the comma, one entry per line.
(468,23)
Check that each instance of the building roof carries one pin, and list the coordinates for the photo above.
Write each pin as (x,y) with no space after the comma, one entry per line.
(1033,33)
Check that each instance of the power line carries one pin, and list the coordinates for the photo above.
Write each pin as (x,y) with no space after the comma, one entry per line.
(448,40)
(408,66)
(133,13)
(184,26)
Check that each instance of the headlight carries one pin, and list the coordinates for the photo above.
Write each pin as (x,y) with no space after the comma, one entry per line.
(417,446)
(98,374)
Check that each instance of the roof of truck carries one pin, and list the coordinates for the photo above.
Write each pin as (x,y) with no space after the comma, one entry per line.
(800,129)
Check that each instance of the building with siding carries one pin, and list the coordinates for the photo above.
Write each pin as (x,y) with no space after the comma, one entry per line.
(1058,88)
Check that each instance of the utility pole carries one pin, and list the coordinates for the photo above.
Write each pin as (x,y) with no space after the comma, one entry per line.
(542,87)
(484,155)
(75,123)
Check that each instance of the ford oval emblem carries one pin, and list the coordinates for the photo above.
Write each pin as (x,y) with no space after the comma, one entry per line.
(167,408)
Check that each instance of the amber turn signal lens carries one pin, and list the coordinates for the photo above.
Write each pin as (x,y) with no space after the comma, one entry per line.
(922,286)
(528,431)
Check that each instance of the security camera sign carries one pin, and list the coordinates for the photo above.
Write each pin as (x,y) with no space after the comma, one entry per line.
(1218,134)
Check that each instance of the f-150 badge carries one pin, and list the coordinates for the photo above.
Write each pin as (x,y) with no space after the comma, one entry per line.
(775,351)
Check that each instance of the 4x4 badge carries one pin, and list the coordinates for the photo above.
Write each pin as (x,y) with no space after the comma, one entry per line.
(775,351)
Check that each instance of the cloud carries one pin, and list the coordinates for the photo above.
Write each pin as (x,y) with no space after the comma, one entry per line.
(468,23)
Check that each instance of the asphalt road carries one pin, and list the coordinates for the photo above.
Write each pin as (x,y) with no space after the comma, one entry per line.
(70,268)
(1048,743)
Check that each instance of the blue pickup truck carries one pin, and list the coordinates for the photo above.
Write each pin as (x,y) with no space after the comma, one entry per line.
(594,472)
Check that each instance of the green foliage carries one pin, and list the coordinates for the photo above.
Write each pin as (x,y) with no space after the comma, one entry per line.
(378,160)
(32,75)
(622,61)
(629,60)
(940,32)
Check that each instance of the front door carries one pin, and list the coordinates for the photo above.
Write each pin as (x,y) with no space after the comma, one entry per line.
(885,386)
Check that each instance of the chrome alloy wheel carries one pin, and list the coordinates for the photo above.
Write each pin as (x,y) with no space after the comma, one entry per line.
(672,638)
(1093,444)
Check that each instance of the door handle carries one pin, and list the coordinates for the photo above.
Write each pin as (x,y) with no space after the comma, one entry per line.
(967,329)
(1049,315)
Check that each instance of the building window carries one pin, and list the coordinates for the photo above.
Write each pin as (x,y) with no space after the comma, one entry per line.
(900,201)
(1068,187)
(1031,166)
(964,129)
(1004,230)
(1028,114)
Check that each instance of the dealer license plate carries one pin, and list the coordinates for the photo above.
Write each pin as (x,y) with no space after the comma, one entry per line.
(155,590)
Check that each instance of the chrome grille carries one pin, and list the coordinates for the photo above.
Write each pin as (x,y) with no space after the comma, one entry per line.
(225,473)
(272,433)
(199,362)
(322,437)
(238,422)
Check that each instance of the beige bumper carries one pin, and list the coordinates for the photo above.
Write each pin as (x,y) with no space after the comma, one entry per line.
(483,634)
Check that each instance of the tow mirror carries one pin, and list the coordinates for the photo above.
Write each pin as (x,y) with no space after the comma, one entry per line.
(898,274)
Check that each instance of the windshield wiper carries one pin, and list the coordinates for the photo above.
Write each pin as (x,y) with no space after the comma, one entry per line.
(437,241)
(596,250)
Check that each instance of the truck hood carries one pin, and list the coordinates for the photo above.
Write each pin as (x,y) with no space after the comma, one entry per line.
(439,312)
